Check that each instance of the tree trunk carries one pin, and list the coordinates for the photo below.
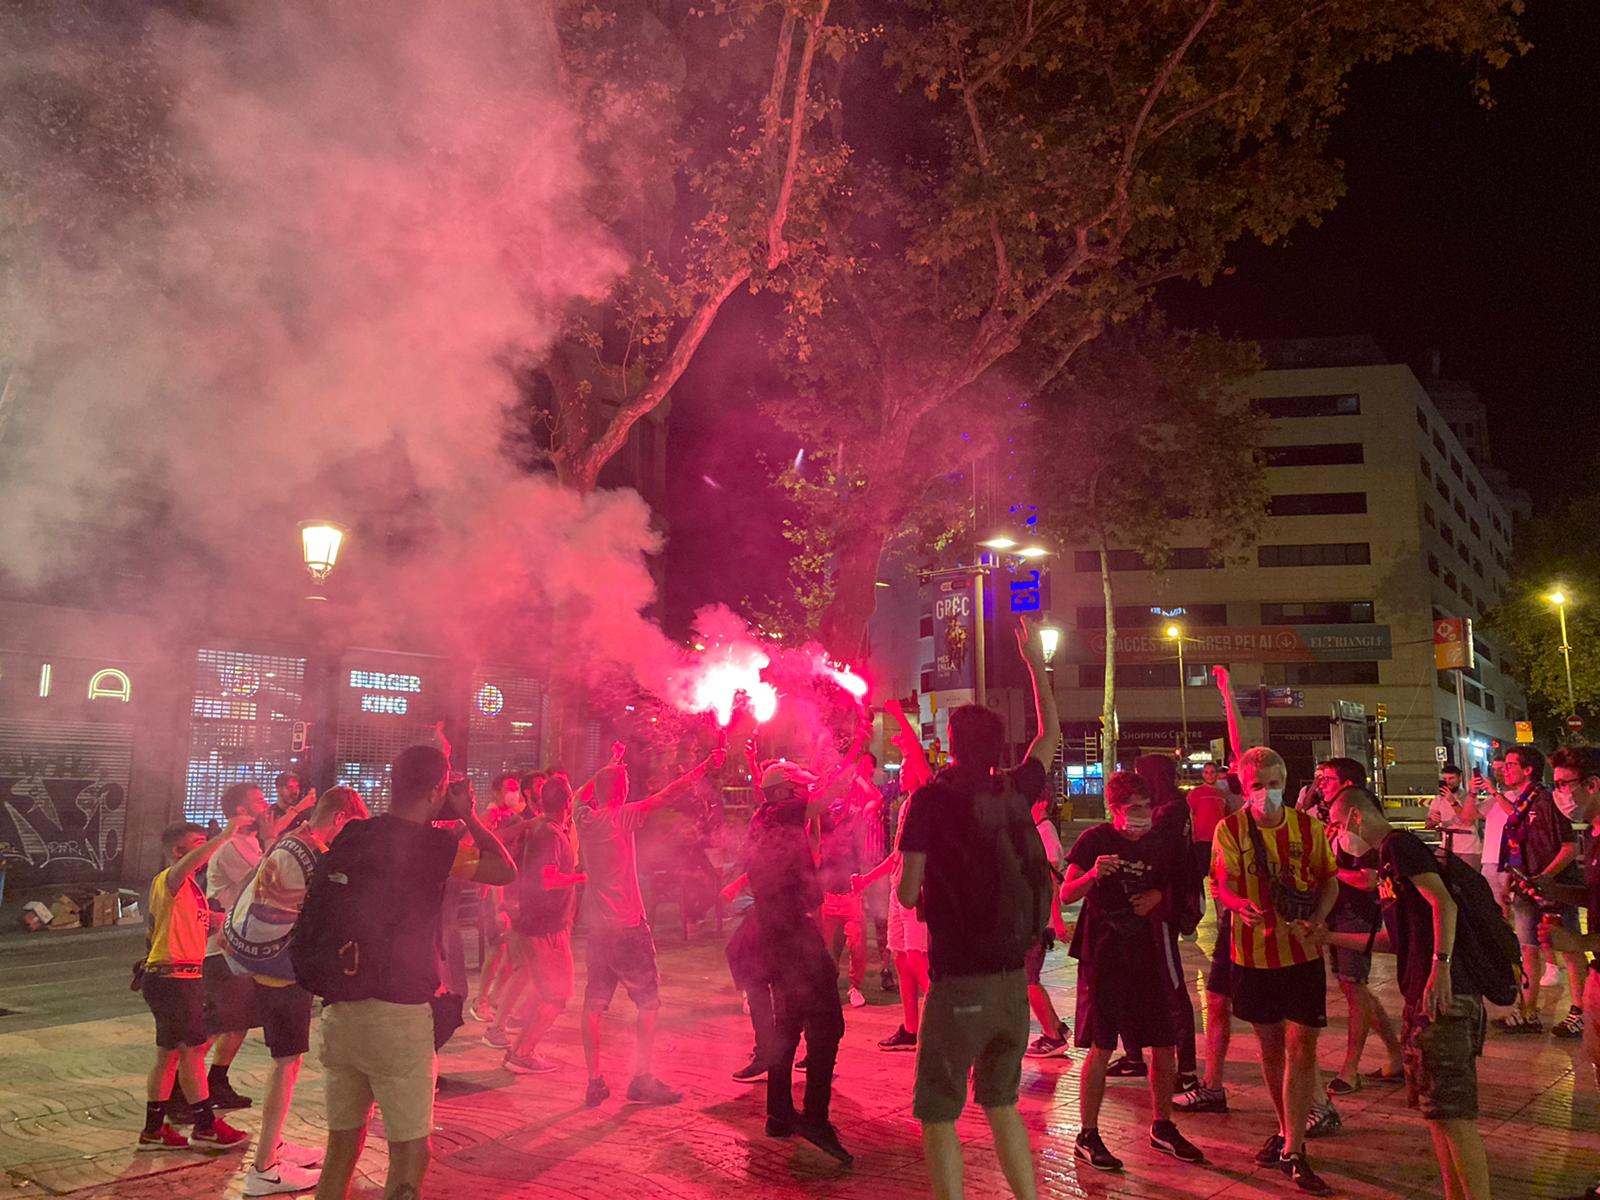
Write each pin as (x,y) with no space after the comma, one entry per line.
(855,596)
(1108,705)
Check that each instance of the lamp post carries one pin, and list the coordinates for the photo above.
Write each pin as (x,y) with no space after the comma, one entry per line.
(319,548)
(1559,599)
(1175,632)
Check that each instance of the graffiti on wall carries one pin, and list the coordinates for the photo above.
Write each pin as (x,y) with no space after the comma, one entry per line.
(63,806)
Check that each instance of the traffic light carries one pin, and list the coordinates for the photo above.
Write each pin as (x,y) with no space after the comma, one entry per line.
(1382,713)
(1388,756)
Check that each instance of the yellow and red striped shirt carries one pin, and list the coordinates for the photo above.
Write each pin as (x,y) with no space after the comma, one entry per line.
(1299,852)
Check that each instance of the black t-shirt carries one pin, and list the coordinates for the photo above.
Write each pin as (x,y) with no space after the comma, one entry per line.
(1107,918)
(1356,903)
(783,880)
(1534,832)
(422,857)
(1408,915)
(956,822)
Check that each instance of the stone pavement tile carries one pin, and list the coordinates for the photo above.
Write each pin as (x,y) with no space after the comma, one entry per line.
(71,1101)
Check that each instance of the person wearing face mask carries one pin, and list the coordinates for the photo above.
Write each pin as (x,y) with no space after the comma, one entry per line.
(1126,877)
(1274,871)
(1576,773)
(1537,846)
(1443,1020)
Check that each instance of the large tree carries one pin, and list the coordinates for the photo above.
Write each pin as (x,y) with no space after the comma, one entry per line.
(1147,438)
(1027,172)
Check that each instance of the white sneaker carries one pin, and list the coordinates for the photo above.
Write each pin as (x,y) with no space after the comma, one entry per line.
(300,1156)
(280,1179)
(857,1000)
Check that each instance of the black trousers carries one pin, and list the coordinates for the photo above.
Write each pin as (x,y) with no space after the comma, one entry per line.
(805,999)
(762,1021)
(1182,1009)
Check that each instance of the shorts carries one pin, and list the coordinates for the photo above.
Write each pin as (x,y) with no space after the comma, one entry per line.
(1219,980)
(906,933)
(1497,882)
(1123,998)
(548,957)
(972,1025)
(230,1005)
(178,1006)
(377,1052)
(1033,965)
(1526,916)
(625,956)
(285,1018)
(1272,995)
(1349,966)
(1441,1059)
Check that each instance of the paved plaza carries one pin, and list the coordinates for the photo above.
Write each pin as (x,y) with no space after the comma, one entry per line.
(73,1053)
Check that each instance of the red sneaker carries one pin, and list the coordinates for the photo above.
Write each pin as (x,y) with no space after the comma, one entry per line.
(165,1138)
(220,1134)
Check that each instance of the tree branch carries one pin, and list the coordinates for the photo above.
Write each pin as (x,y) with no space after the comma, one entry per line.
(777,248)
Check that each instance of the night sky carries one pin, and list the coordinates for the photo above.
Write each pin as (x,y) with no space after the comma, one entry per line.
(1464,229)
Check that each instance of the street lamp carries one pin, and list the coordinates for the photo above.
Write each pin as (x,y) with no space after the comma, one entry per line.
(319,547)
(1559,599)
(1175,633)
(1049,639)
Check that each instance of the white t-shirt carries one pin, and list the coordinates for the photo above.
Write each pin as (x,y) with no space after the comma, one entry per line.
(1463,836)
(228,871)
(1494,827)
(1052,843)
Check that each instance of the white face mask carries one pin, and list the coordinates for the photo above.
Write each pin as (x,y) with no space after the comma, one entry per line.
(1135,824)
(1567,802)
(1354,844)
(1266,801)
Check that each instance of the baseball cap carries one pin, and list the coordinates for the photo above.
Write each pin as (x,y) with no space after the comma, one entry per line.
(782,771)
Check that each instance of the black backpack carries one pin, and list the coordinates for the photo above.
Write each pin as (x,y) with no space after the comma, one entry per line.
(343,945)
(1026,880)
(1485,946)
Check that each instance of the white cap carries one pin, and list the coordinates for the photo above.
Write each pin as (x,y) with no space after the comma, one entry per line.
(782,771)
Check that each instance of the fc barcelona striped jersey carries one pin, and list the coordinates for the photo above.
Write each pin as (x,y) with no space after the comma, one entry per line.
(1298,851)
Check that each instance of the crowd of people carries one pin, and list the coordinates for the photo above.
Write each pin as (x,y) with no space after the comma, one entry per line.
(962,877)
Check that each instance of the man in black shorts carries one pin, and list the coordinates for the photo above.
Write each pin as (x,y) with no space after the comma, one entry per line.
(1444,1021)
(1127,880)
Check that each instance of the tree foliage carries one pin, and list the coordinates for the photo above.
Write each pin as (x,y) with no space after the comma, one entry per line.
(1026,173)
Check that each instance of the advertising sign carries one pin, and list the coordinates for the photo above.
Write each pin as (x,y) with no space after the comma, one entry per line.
(952,607)
(1244,643)
(1452,644)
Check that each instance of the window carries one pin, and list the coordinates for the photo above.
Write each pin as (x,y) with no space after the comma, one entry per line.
(241,723)
(1323,454)
(1438,443)
(1473,693)
(1466,593)
(1461,510)
(1315,504)
(1461,552)
(1425,467)
(1327,612)
(1298,674)
(925,627)
(1142,616)
(1427,515)
(1447,536)
(1433,564)
(1481,649)
(1455,466)
(1450,580)
(1488,701)
(1422,419)
(1473,525)
(1185,558)
(1310,406)
(1477,565)
(1472,489)
(1444,492)
(1325,554)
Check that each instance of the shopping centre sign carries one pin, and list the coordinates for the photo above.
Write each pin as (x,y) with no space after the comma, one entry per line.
(1241,643)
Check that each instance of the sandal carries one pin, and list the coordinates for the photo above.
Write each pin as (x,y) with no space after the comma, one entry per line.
(1340,1087)
(1383,1075)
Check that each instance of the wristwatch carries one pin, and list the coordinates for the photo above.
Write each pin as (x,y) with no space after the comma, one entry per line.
(1444,958)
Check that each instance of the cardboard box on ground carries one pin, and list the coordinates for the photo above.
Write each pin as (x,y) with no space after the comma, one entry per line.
(83,909)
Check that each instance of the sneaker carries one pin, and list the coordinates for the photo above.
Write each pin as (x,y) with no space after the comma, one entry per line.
(647,1089)
(1517,1023)
(1185,1083)
(496,1038)
(1572,1027)
(825,1138)
(752,1072)
(1271,1152)
(1201,1099)
(1045,1046)
(165,1138)
(800,1063)
(900,1039)
(480,1010)
(779,1127)
(1093,1151)
(1551,976)
(857,1000)
(1298,1168)
(224,1097)
(596,1092)
(1128,1068)
(1323,1120)
(887,981)
(220,1134)
(531,1063)
(301,1156)
(1164,1136)
(280,1179)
